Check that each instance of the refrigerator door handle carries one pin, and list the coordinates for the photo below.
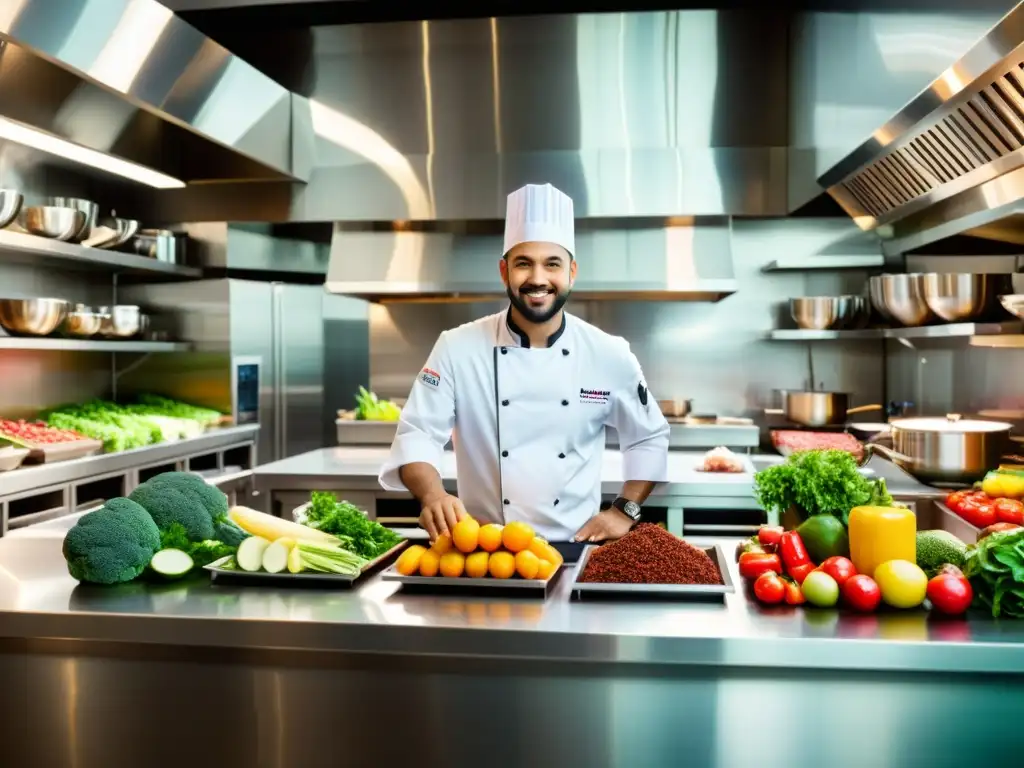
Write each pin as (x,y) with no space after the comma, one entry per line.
(282,370)
(278,383)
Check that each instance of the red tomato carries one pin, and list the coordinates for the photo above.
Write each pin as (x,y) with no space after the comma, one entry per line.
(753,564)
(794,595)
(978,513)
(1009,511)
(950,592)
(861,593)
(799,573)
(839,568)
(769,588)
(769,534)
(955,499)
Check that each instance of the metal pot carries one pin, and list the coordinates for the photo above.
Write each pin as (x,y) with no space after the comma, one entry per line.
(820,409)
(947,450)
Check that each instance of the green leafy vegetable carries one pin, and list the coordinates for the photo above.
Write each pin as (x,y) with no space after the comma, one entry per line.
(112,544)
(350,524)
(821,482)
(369,408)
(324,558)
(995,567)
(175,536)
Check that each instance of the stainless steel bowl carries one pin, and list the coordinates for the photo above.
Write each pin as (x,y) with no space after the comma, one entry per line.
(32,317)
(120,322)
(10,205)
(958,297)
(815,313)
(877,300)
(1014,304)
(903,297)
(87,207)
(50,221)
(81,323)
(854,313)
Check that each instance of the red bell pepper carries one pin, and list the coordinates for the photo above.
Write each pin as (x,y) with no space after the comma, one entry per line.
(753,564)
(793,551)
(769,535)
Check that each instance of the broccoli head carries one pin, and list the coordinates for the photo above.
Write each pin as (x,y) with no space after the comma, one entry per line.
(112,544)
(227,532)
(213,500)
(167,505)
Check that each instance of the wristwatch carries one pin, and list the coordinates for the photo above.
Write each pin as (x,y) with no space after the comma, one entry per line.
(629,508)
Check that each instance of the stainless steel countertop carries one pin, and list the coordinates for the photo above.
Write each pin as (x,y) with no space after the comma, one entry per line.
(356,468)
(39,600)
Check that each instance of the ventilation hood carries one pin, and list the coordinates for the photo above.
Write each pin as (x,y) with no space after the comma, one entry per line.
(951,162)
(683,259)
(129,79)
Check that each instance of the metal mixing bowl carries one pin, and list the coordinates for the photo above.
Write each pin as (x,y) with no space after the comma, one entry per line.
(958,297)
(876,299)
(903,298)
(32,317)
(50,221)
(82,323)
(87,207)
(10,205)
(1014,304)
(854,313)
(121,322)
(815,313)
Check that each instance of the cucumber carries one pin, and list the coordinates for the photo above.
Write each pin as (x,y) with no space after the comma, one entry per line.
(250,553)
(275,557)
(172,563)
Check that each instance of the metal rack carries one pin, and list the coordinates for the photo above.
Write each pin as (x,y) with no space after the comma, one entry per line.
(90,345)
(951,331)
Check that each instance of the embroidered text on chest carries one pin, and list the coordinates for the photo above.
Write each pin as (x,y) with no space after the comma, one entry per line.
(599,396)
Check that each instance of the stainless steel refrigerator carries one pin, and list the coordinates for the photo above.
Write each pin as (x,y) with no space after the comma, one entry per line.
(258,353)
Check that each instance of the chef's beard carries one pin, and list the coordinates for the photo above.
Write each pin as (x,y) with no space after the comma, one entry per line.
(533,315)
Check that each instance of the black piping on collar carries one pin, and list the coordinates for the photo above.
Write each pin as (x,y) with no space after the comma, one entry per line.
(524,340)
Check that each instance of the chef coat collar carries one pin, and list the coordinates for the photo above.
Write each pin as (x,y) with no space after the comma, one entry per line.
(520,334)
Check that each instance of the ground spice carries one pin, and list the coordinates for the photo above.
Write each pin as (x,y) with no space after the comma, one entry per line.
(651,555)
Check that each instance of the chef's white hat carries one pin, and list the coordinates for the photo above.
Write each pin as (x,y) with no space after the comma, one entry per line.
(539,213)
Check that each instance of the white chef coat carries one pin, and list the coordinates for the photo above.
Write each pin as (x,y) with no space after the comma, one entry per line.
(528,424)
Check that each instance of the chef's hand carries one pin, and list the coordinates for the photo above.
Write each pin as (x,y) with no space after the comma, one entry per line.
(440,514)
(607,524)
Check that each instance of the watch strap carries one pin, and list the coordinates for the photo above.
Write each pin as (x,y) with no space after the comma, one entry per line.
(623,505)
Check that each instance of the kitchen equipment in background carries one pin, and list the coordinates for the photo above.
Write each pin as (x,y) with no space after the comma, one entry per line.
(854,313)
(159,244)
(877,300)
(814,313)
(123,321)
(10,206)
(52,222)
(903,298)
(82,322)
(818,409)
(12,457)
(960,297)
(947,451)
(112,232)
(32,317)
(676,408)
(90,209)
(1014,304)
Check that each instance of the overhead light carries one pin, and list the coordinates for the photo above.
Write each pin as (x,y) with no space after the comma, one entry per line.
(47,142)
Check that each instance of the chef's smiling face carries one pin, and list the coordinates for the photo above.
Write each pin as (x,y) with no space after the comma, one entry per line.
(538,278)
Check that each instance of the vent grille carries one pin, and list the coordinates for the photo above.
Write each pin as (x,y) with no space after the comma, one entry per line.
(987,127)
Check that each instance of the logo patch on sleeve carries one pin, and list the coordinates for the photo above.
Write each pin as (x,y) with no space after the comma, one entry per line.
(641,392)
(430,377)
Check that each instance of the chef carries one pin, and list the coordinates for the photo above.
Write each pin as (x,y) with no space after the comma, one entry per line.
(525,395)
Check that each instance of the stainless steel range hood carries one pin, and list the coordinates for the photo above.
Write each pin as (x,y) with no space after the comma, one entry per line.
(129,79)
(951,162)
(683,259)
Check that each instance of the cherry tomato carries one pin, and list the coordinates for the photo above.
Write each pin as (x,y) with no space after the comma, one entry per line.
(861,593)
(769,534)
(1009,511)
(769,588)
(753,564)
(799,573)
(956,499)
(794,595)
(950,592)
(839,568)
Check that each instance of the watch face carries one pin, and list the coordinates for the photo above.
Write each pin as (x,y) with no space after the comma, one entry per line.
(632,509)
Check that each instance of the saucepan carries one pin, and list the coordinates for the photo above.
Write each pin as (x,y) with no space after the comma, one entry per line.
(819,409)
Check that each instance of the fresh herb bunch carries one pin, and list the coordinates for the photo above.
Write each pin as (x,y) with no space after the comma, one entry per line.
(995,567)
(350,524)
(201,552)
(820,482)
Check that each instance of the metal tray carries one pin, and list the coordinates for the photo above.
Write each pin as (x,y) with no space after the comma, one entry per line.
(262,578)
(514,585)
(674,591)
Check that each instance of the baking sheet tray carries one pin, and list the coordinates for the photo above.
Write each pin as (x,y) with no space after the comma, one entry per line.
(513,586)
(673,591)
(261,578)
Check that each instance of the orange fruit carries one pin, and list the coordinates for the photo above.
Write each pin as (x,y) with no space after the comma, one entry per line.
(466,535)
(442,544)
(409,561)
(476,565)
(527,564)
(545,551)
(516,536)
(490,537)
(452,564)
(545,570)
(502,565)
(429,563)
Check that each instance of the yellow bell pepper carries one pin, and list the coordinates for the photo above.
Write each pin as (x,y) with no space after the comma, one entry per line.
(1003,484)
(880,534)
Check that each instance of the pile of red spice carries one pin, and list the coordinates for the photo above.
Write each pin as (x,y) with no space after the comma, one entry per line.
(651,555)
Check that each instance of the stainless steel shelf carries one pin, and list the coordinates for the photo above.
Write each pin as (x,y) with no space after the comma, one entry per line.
(89,345)
(25,248)
(951,331)
(800,263)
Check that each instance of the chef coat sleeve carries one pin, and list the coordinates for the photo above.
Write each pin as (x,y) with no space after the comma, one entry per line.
(427,419)
(643,430)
